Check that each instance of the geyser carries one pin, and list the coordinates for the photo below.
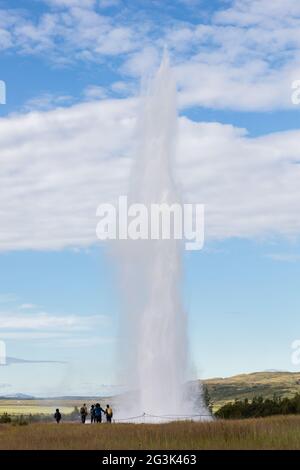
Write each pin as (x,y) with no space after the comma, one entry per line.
(155,325)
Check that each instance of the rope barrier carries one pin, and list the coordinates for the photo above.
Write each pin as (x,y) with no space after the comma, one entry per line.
(166,417)
(130,418)
(176,416)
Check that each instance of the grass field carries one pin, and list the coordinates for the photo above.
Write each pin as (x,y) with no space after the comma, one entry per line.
(46,407)
(15,409)
(264,433)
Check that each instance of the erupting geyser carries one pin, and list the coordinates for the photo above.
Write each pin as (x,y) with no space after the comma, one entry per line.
(155,322)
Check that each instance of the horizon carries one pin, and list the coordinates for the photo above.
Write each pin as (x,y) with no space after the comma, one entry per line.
(120,392)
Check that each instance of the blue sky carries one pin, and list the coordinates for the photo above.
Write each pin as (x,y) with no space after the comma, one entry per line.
(74,71)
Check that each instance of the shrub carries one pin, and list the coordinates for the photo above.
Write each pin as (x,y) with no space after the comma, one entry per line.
(259,407)
(5,418)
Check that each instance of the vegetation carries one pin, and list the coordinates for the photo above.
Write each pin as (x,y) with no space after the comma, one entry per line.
(37,417)
(265,384)
(279,432)
(260,407)
(207,398)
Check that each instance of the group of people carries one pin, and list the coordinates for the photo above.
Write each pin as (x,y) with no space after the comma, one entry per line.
(95,413)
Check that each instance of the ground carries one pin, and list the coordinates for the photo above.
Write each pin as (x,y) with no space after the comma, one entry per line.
(262,433)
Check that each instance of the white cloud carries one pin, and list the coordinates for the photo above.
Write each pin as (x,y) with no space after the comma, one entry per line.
(47,329)
(58,166)
(73,30)
(48,322)
(108,3)
(249,185)
(47,101)
(28,306)
(93,92)
(33,335)
(71,3)
(245,56)
(284,257)
(254,12)
(143,62)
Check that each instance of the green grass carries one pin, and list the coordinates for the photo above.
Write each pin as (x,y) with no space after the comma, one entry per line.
(264,433)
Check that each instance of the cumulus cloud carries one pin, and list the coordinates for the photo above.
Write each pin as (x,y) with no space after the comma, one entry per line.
(58,166)
(48,329)
(72,31)
(244,56)
(249,185)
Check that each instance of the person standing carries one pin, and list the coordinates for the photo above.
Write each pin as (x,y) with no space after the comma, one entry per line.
(92,413)
(83,413)
(57,416)
(98,413)
(109,414)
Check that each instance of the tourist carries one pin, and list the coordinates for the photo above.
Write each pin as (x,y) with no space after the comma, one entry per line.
(109,414)
(57,416)
(92,413)
(83,413)
(98,413)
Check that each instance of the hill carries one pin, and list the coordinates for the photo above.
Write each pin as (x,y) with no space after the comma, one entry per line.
(265,384)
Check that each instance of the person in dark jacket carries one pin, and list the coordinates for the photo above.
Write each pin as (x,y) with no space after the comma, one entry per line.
(98,413)
(57,416)
(92,413)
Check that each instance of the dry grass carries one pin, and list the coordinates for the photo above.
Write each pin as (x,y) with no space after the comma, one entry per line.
(32,409)
(264,433)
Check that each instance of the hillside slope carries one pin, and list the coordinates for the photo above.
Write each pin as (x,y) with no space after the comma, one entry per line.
(239,387)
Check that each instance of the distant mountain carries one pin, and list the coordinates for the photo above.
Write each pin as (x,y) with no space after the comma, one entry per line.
(15,360)
(17,396)
(266,384)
